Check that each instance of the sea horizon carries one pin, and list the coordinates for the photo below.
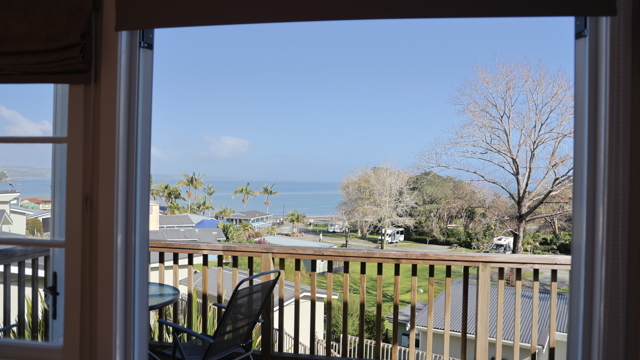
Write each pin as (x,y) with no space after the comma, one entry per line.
(315,199)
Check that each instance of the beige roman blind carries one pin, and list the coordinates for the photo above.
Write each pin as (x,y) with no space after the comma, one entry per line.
(149,14)
(45,41)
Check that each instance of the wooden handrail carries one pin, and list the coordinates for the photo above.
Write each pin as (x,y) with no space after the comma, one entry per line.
(559,262)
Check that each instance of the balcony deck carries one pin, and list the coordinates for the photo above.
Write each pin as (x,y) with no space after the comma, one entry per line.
(406,267)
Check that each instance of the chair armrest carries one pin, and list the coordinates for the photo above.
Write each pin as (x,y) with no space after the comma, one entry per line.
(182,329)
(8,327)
(224,307)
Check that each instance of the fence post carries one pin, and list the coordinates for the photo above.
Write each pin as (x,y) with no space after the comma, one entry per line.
(482,313)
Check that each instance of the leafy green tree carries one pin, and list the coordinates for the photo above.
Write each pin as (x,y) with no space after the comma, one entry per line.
(34,227)
(246,193)
(296,218)
(230,231)
(267,191)
(4,176)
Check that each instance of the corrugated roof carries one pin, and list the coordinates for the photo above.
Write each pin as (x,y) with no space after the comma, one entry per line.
(200,235)
(176,220)
(246,215)
(508,327)
(228,285)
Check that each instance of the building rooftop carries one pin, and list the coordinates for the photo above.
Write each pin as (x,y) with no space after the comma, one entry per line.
(526,317)
(247,215)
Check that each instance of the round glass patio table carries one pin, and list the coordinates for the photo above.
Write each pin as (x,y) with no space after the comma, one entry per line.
(161,295)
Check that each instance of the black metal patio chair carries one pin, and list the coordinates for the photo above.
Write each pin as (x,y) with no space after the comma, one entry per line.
(233,336)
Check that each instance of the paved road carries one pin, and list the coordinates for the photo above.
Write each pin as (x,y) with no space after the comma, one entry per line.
(314,235)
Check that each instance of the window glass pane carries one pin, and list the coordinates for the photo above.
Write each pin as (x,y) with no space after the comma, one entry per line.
(26,110)
(28,202)
(24,271)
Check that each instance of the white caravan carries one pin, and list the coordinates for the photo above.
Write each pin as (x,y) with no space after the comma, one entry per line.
(394,235)
(502,244)
(336,226)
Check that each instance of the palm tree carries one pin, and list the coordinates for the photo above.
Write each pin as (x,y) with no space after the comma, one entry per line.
(155,190)
(224,212)
(172,194)
(246,193)
(192,181)
(295,218)
(267,191)
(199,207)
(209,191)
(174,208)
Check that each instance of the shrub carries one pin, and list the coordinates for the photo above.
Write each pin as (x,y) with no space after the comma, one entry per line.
(34,226)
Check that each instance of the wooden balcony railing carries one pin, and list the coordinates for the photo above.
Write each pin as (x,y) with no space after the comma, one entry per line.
(403,272)
(24,275)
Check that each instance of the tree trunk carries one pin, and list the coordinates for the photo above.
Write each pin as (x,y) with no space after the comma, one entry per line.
(383,239)
(518,236)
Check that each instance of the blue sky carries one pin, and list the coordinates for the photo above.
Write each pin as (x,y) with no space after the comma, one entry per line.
(309,101)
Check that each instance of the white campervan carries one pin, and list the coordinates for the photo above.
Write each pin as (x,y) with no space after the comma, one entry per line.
(394,235)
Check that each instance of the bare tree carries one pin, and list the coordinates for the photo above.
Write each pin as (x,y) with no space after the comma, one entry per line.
(383,196)
(516,135)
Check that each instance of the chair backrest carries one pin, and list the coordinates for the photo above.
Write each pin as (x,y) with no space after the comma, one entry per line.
(243,311)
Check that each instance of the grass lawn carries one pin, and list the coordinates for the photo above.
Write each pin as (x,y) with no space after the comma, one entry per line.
(388,284)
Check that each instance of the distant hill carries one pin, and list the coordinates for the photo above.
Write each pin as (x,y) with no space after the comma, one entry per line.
(24,171)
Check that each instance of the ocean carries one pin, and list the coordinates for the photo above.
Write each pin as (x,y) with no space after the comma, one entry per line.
(316,199)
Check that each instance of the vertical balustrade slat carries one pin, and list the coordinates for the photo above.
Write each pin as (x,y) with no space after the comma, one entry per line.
(281,346)
(22,326)
(205,295)
(534,313)
(396,310)
(296,317)
(190,310)
(553,313)
(161,312)
(465,315)
(250,264)
(220,285)
(312,333)
(6,298)
(430,311)
(329,336)
(378,348)
(47,271)
(363,299)
(266,343)
(516,315)
(483,296)
(412,325)
(447,311)
(34,298)
(176,283)
(345,310)
(500,314)
(234,272)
